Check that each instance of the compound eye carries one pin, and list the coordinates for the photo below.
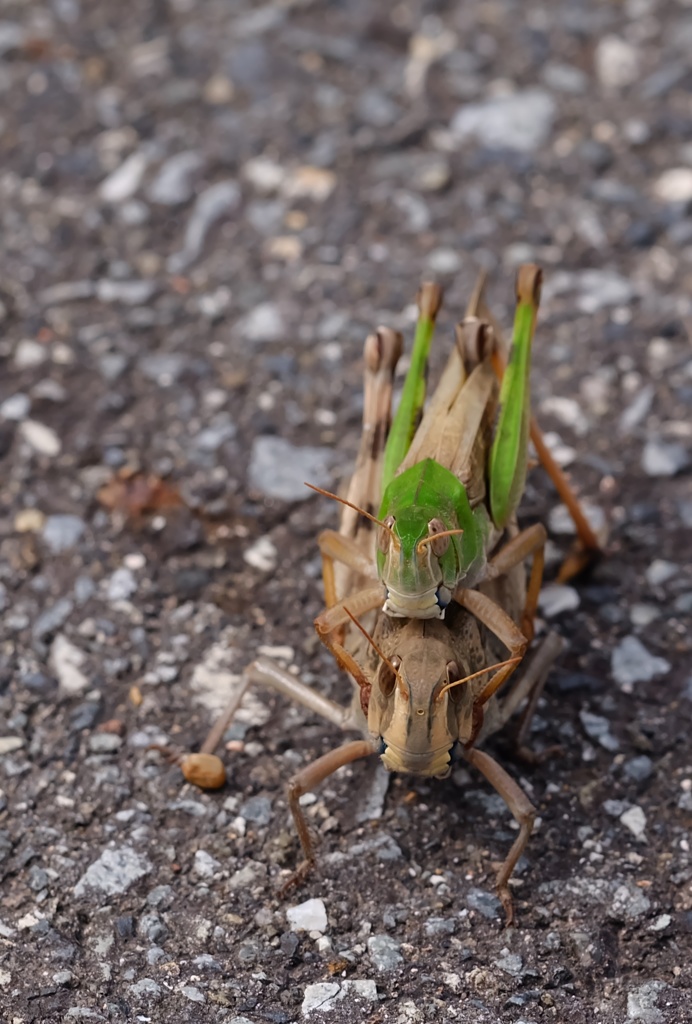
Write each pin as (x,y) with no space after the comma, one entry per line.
(440,544)
(387,677)
(385,536)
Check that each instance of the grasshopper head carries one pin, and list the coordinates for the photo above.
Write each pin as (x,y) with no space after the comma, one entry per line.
(415,719)
(412,566)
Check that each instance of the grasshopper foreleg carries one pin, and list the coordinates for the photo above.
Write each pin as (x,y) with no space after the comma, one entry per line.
(523,811)
(305,781)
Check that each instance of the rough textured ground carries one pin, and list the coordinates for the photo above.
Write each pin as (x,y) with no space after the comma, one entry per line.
(204,207)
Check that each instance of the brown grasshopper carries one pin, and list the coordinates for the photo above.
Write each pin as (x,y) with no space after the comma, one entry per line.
(421,701)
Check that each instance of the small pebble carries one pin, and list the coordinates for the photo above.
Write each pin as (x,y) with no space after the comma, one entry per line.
(62,532)
(124,181)
(310,916)
(385,952)
(215,203)
(598,728)
(664,458)
(113,872)
(9,744)
(556,599)
(660,571)
(105,743)
(66,661)
(205,866)
(263,324)
(510,963)
(121,585)
(262,555)
(194,994)
(635,820)
(631,663)
(174,183)
(639,768)
(674,185)
(617,62)
(279,469)
(522,121)
(16,407)
(41,438)
(30,353)
(484,902)
(258,810)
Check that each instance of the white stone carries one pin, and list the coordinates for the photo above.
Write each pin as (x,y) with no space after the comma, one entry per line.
(29,353)
(556,598)
(125,180)
(310,916)
(264,174)
(205,866)
(16,407)
(324,996)
(674,185)
(617,62)
(213,684)
(121,585)
(522,121)
(635,820)
(41,438)
(66,660)
(660,571)
(264,323)
(8,744)
(261,555)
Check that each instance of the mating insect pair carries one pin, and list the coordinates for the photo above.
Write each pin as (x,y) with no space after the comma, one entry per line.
(423,609)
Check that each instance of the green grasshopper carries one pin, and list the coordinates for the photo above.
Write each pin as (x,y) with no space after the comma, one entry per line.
(420,696)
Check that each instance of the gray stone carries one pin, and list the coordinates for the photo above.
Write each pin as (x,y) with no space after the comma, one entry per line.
(67,291)
(510,963)
(641,1003)
(128,293)
(62,532)
(12,37)
(121,585)
(16,407)
(4,597)
(52,618)
(595,289)
(113,872)
(263,324)
(152,928)
(205,866)
(660,571)
(484,902)
(145,989)
(522,121)
(174,183)
(632,663)
(258,809)
(163,368)
(279,469)
(664,458)
(105,743)
(212,205)
(206,962)
(598,728)
(629,903)
(440,926)
(124,181)
(382,845)
(194,994)
(385,952)
(639,768)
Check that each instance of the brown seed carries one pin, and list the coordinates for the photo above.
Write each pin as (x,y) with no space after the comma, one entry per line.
(204,770)
(113,725)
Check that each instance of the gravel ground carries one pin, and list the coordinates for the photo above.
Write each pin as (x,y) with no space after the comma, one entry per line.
(204,208)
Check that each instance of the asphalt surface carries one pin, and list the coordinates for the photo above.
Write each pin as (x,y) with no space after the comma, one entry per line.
(204,208)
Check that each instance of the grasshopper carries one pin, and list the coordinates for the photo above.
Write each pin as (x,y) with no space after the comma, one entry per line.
(450,494)
(420,701)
